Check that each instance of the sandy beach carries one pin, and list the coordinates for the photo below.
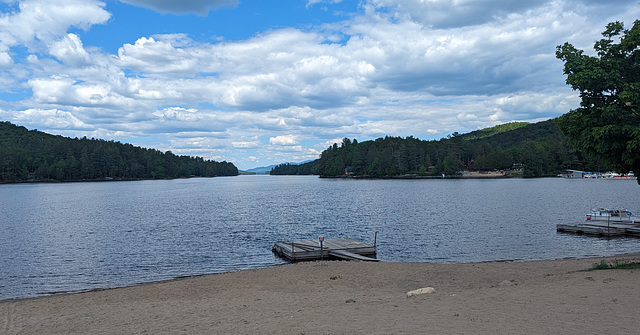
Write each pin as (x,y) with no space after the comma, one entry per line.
(540,297)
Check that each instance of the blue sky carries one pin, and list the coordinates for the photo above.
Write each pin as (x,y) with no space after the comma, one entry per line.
(263,82)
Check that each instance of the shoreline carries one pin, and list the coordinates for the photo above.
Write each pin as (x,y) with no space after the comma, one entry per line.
(337,297)
(44,295)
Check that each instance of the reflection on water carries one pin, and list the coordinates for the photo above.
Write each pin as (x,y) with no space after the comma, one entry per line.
(80,236)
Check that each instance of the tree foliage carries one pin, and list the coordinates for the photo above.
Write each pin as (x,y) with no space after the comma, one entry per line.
(309,168)
(607,123)
(32,155)
(540,147)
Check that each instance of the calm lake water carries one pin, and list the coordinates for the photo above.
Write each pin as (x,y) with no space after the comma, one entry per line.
(72,237)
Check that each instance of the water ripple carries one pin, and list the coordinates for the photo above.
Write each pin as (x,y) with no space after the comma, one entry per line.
(83,236)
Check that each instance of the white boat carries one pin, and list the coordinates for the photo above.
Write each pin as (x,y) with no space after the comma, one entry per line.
(611,215)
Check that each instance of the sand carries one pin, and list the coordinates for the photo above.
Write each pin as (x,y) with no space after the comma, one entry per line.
(541,297)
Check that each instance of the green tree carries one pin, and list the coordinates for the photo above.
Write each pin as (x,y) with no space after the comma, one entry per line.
(607,124)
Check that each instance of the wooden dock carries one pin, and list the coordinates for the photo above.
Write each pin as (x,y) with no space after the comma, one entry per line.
(601,228)
(339,248)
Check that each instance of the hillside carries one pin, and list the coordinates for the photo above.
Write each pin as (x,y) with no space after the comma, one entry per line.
(488,132)
(36,156)
(541,148)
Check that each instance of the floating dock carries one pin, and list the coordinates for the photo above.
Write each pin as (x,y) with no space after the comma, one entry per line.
(339,248)
(601,228)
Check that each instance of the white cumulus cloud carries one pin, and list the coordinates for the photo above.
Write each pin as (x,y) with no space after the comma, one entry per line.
(5,60)
(71,51)
(150,56)
(287,140)
(45,21)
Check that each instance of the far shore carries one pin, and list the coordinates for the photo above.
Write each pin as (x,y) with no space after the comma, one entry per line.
(335,297)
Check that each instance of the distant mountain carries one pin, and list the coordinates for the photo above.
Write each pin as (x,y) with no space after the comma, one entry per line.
(261,169)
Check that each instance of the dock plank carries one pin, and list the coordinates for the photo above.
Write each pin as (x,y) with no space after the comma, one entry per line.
(600,229)
(351,256)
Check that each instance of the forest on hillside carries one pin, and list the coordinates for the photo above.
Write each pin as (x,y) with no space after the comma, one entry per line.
(36,156)
(540,148)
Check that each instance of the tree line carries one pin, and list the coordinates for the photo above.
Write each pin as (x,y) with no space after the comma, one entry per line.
(541,148)
(36,156)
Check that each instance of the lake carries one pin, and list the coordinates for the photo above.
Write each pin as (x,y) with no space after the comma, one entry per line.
(71,237)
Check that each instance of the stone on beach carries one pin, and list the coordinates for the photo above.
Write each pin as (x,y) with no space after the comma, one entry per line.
(423,290)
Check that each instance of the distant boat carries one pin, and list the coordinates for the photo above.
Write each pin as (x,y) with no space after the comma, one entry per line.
(611,215)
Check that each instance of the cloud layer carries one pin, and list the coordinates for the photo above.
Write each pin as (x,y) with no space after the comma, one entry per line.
(200,7)
(393,67)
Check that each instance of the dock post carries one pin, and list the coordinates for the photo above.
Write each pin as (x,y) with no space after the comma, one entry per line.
(375,238)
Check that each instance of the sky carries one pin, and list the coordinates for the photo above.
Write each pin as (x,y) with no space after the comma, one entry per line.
(257,82)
